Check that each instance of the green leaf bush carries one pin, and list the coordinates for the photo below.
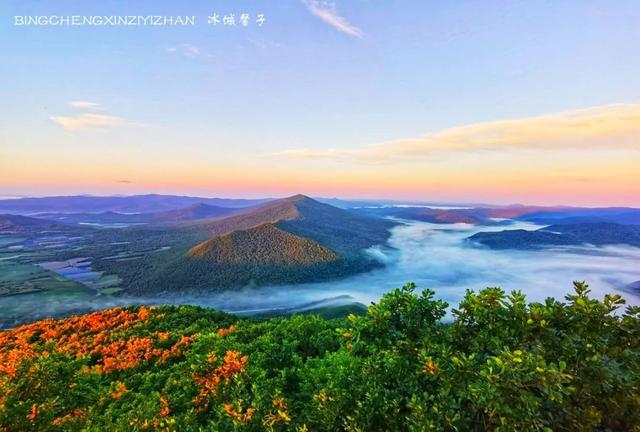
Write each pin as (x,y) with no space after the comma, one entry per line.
(494,363)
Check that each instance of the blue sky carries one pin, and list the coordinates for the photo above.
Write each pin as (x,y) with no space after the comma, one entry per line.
(369,72)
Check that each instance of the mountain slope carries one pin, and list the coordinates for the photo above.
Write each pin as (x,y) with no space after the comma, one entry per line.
(263,244)
(193,212)
(596,233)
(292,240)
(17,224)
(338,229)
(498,363)
(271,212)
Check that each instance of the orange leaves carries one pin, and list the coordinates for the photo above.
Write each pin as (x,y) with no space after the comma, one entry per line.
(76,414)
(164,411)
(78,335)
(143,313)
(177,349)
(222,332)
(279,403)
(98,335)
(239,414)
(162,335)
(430,368)
(159,422)
(125,354)
(33,413)
(233,363)
(278,415)
(11,354)
(121,389)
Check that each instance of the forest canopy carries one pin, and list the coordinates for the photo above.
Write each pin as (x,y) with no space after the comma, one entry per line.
(495,363)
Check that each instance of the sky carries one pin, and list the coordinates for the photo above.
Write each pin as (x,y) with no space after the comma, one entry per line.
(467,101)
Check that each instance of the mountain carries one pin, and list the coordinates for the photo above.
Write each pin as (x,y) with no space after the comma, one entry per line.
(470,215)
(335,228)
(621,215)
(191,212)
(486,215)
(122,204)
(594,233)
(271,212)
(263,244)
(633,287)
(290,240)
(107,217)
(20,224)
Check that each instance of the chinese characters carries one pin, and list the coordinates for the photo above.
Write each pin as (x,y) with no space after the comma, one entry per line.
(236,20)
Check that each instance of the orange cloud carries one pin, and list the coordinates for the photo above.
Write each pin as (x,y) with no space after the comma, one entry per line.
(610,126)
(87,121)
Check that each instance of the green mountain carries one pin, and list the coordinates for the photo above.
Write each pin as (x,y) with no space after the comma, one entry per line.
(335,228)
(291,240)
(263,244)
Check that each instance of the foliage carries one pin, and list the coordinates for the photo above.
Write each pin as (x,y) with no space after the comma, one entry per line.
(496,363)
(263,244)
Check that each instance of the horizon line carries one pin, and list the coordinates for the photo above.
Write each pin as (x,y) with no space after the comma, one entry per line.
(423,202)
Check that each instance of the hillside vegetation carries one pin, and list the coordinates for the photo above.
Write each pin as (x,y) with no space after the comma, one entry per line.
(501,365)
(291,240)
(263,244)
(330,226)
(21,224)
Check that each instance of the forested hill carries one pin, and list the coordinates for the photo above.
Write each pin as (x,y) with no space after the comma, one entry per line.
(10,223)
(263,244)
(291,240)
(501,365)
(594,233)
(330,226)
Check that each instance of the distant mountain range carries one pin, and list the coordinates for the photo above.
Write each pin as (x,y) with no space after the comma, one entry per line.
(191,212)
(121,204)
(492,215)
(569,215)
(594,233)
(151,208)
(173,244)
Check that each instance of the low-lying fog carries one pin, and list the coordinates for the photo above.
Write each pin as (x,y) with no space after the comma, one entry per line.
(433,256)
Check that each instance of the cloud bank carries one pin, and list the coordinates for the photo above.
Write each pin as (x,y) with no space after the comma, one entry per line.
(609,126)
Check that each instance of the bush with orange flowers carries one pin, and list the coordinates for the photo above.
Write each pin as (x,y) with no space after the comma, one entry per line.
(498,364)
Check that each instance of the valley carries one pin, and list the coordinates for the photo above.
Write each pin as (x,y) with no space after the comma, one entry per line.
(297,254)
